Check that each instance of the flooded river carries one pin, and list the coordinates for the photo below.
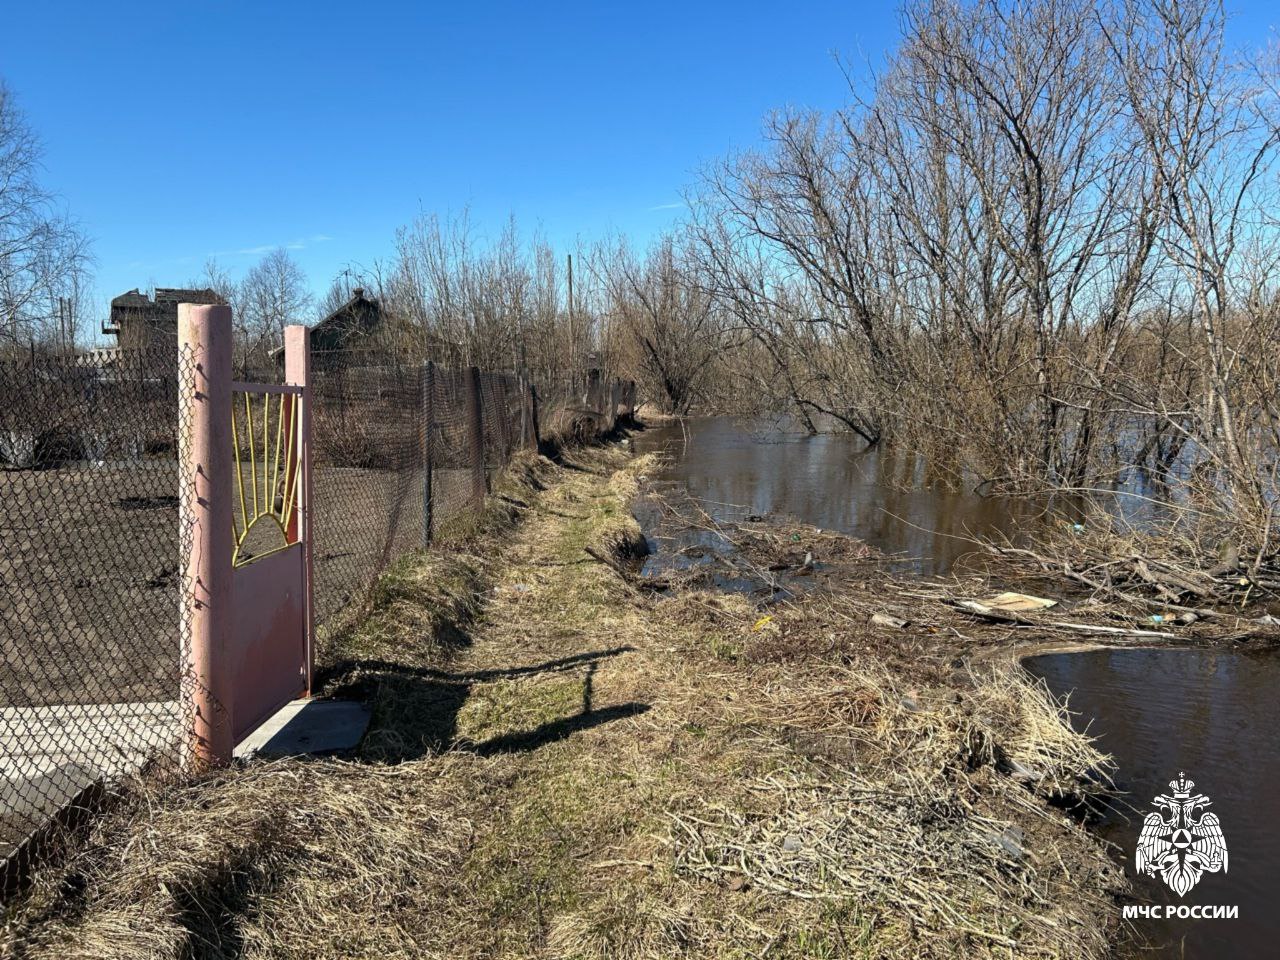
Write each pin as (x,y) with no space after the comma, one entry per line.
(1214,715)
(734,468)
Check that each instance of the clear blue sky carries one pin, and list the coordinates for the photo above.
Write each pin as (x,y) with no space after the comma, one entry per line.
(180,130)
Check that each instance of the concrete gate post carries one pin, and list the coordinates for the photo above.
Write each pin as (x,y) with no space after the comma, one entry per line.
(297,372)
(205,462)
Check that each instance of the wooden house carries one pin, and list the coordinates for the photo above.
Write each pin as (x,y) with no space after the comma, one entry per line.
(140,322)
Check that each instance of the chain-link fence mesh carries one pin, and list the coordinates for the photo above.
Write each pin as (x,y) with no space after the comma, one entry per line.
(457,474)
(366,472)
(90,543)
(88,576)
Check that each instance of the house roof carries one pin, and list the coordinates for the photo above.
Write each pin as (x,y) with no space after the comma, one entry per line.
(131,299)
(343,327)
(166,299)
(164,308)
(177,295)
(360,314)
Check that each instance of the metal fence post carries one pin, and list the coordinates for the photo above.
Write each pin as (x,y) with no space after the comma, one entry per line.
(475,431)
(428,430)
(594,399)
(533,416)
(526,412)
(501,398)
(205,461)
(297,371)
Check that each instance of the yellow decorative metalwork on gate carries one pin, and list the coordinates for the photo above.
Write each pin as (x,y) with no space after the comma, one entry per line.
(264,436)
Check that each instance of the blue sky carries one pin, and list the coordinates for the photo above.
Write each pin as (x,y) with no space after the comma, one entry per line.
(176,131)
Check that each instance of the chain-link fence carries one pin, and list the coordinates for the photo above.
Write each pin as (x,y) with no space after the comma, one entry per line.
(88,576)
(89,538)
(367,473)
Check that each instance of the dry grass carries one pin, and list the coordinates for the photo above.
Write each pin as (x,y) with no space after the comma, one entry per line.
(1194,578)
(276,859)
(915,806)
(572,767)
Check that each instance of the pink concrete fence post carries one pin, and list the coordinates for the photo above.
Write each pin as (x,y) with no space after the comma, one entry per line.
(205,520)
(297,372)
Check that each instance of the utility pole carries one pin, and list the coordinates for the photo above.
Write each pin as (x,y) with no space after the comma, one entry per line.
(570,258)
(573,333)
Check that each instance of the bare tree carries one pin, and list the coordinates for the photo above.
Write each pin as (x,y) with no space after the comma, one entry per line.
(666,325)
(43,254)
(500,304)
(272,294)
(1043,247)
(216,278)
(1210,130)
(340,292)
(984,219)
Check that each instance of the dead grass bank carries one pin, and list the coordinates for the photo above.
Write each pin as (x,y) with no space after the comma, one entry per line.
(563,765)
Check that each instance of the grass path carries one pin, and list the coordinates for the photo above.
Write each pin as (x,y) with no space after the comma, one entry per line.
(565,767)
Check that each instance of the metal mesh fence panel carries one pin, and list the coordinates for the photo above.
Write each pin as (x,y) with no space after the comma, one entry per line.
(92,686)
(88,576)
(556,395)
(498,444)
(367,473)
(453,459)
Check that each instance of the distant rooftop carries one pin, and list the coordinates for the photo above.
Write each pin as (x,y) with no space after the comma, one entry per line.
(160,312)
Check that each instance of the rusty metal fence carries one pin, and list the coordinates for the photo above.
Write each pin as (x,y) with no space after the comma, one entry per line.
(89,538)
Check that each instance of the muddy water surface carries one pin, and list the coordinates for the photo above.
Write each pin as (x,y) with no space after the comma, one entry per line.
(1214,715)
(735,468)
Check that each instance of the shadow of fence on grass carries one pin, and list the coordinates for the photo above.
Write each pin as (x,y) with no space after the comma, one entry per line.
(416,708)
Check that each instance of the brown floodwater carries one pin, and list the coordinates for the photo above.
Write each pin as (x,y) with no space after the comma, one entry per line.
(735,468)
(1214,715)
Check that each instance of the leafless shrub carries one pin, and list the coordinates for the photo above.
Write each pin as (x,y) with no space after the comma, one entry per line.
(1041,250)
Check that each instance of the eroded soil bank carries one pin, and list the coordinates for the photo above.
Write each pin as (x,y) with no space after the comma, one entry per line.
(564,762)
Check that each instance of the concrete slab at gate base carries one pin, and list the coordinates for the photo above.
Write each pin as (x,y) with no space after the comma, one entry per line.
(308,726)
(50,755)
(112,737)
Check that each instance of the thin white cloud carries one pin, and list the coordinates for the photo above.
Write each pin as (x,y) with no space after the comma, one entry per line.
(299,244)
(668,206)
(258,251)
(152,265)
